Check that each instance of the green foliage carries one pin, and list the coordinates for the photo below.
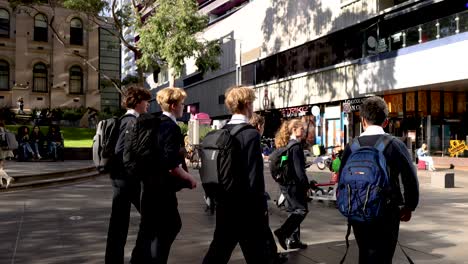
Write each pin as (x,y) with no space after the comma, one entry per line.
(203,131)
(93,7)
(130,79)
(168,36)
(73,114)
(183,128)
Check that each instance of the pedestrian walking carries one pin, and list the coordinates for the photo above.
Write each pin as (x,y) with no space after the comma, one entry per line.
(295,191)
(20,103)
(258,122)
(242,213)
(377,237)
(160,219)
(126,188)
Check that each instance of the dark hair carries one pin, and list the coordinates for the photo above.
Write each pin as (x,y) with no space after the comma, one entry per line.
(134,95)
(374,110)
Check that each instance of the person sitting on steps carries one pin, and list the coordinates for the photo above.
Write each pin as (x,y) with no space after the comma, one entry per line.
(423,155)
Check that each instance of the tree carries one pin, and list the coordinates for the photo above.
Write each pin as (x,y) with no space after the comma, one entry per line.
(167,36)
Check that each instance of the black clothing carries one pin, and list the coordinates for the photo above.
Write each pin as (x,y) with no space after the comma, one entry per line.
(127,191)
(377,240)
(117,169)
(243,217)
(158,231)
(296,195)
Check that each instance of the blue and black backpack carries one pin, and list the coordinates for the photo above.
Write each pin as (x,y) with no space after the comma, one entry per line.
(364,184)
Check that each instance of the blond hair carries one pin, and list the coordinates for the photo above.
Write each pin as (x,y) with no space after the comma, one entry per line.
(169,96)
(238,97)
(285,131)
(257,120)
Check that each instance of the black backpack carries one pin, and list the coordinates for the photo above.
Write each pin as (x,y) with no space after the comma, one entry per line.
(141,146)
(219,152)
(279,164)
(104,141)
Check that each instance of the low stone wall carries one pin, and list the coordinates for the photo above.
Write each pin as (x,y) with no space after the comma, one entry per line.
(446,161)
(78,153)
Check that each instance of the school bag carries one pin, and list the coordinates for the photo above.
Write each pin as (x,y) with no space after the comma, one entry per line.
(279,164)
(8,140)
(141,154)
(364,184)
(219,154)
(104,141)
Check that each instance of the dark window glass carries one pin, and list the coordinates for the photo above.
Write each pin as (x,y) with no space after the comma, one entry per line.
(40,28)
(40,78)
(76,80)
(76,32)
(248,74)
(4,23)
(4,75)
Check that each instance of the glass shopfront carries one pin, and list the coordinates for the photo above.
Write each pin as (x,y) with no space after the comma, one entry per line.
(438,120)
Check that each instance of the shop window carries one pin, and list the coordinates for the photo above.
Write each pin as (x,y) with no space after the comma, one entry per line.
(428,31)
(76,80)
(76,32)
(435,103)
(40,28)
(447,26)
(422,102)
(40,78)
(394,103)
(410,100)
(4,23)
(461,103)
(448,104)
(463,22)
(4,75)
(411,36)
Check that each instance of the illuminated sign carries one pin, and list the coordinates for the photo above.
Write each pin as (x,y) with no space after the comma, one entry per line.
(296,111)
(457,147)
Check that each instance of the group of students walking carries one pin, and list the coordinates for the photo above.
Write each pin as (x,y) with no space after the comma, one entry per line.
(241,215)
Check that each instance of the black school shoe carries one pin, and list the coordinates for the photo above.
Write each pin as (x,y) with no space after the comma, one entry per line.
(281,238)
(297,245)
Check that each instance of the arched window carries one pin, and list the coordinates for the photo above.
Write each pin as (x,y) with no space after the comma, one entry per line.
(4,75)
(76,32)
(40,78)
(4,23)
(40,28)
(76,80)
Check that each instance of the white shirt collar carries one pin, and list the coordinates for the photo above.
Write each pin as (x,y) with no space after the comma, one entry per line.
(238,119)
(170,115)
(132,112)
(373,130)
(293,137)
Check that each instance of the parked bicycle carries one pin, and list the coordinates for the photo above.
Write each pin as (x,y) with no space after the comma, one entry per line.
(193,156)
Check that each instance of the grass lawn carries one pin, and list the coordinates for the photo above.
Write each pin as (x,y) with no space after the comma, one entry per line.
(74,137)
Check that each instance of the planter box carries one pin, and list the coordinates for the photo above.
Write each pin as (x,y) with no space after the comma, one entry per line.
(443,179)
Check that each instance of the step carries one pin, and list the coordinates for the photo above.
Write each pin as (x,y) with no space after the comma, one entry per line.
(52,175)
(46,180)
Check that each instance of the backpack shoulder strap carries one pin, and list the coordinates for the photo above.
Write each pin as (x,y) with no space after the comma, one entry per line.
(383,142)
(290,145)
(238,128)
(355,145)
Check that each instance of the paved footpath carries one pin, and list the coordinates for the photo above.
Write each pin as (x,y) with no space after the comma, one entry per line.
(68,224)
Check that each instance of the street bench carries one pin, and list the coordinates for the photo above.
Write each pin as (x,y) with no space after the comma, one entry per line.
(442,179)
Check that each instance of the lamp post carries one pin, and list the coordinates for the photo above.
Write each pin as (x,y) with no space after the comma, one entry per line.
(239,66)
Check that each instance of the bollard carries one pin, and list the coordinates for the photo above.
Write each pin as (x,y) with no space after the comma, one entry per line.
(443,179)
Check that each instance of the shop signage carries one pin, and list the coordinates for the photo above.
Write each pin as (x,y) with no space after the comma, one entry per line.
(296,111)
(352,105)
(457,147)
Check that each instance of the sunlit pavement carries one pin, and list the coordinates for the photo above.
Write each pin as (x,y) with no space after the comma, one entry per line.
(68,224)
